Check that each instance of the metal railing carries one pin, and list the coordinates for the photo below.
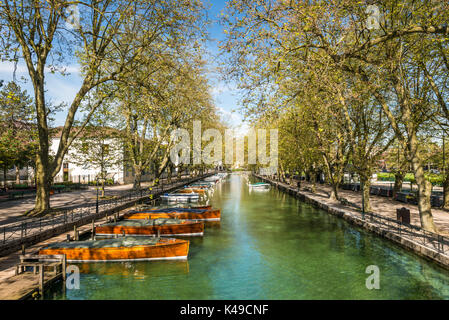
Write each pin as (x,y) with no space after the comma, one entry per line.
(430,240)
(427,239)
(33,226)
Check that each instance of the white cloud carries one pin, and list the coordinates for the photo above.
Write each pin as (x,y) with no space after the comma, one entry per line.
(221,88)
(8,67)
(236,121)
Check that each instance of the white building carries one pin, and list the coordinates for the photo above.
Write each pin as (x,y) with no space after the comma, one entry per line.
(73,170)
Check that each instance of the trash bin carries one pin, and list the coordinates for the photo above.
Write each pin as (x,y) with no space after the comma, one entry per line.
(403,215)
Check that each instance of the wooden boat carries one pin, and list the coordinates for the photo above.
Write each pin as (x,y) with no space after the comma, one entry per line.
(183,197)
(202,184)
(259,185)
(201,207)
(120,249)
(176,213)
(193,190)
(163,227)
(180,206)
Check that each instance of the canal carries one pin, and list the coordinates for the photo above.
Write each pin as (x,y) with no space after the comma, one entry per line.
(268,245)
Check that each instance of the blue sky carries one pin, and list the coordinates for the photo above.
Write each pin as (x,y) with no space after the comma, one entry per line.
(63,88)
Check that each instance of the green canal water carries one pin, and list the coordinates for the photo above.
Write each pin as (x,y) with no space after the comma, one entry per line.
(268,245)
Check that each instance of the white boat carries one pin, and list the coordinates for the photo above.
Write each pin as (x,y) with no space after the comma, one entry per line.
(181,197)
(259,185)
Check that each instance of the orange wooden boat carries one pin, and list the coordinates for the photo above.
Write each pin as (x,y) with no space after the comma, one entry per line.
(148,208)
(192,190)
(120,249)
(206,215)
(202,207)
(163,227)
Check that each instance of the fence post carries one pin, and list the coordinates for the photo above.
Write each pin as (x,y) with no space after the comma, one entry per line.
(41,280)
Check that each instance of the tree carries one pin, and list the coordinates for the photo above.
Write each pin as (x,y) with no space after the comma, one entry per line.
(100,146)
(107,39)
(17,130)
(273,39)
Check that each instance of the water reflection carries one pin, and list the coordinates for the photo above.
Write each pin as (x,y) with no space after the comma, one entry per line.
(269,245)
(138,270)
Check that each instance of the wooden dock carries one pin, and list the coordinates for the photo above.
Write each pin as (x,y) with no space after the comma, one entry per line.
(25,286)
(31,285)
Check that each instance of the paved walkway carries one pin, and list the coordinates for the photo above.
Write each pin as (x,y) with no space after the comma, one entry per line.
(14,210)
(383,206)
(8,263)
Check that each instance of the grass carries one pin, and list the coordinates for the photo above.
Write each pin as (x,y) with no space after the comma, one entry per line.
(435,179)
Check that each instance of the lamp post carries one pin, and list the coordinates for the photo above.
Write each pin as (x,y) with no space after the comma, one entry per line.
(363,199)
(96,207)
(444,156)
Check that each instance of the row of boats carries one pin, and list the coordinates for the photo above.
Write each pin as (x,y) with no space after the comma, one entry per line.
(259,186)
(140,235)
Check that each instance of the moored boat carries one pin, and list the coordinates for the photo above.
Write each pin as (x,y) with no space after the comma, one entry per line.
(160,226)
(120,249)
(259,185)
(183,197)
(202,184)
(176,213)
(178,206)
(193,190)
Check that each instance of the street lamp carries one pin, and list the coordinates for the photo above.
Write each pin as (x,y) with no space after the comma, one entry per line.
(444,157)
(96,207)
(363,199)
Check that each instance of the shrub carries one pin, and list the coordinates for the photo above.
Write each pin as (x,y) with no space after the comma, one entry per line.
(435,179)
(20,186)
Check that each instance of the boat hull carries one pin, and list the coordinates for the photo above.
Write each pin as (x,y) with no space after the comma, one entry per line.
(182,197)
(210,215)
(165,250)
(192,190)
(182,229)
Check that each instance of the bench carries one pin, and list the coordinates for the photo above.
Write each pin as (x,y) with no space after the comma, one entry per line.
(38,262)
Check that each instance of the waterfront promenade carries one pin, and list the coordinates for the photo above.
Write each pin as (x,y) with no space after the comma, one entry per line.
(381,205)
(381,219)
(13,210)
(9,261)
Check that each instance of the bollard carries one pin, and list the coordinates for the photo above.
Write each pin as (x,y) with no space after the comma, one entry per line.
(41,281)
(64,266)
(23,249)
(93,229)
